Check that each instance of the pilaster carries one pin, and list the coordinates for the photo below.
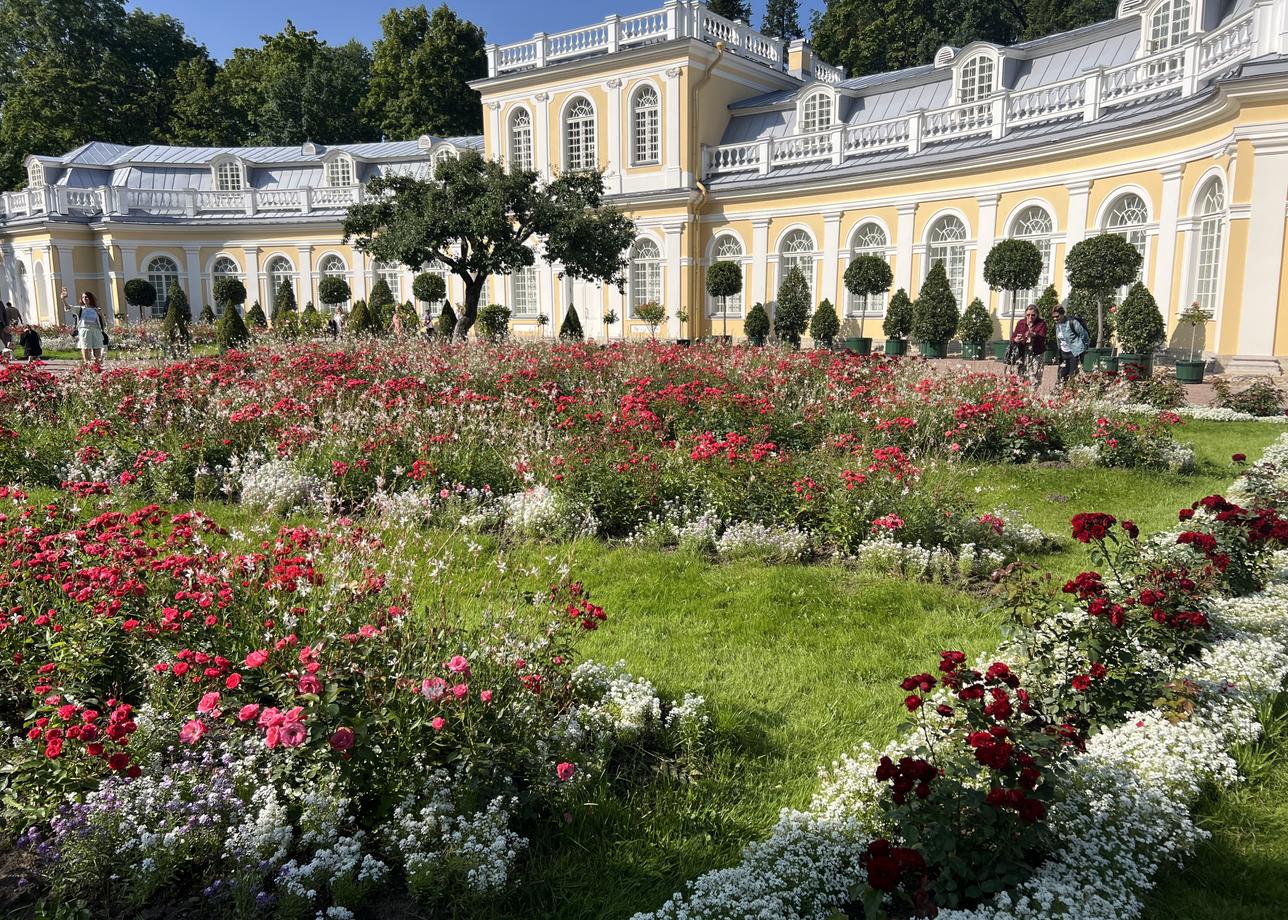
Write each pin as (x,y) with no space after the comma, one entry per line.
(760,261)
(903,236)
(1264,266)
(672,281)
(984,242)
(831,255)
(196,290)
(1168,241)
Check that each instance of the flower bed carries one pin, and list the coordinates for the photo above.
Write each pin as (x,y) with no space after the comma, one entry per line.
(1164,661)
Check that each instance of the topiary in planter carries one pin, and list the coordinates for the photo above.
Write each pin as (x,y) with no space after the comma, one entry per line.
(898,318)
(570,328)
(724,279)
(1100,266)
(429,287)
(494,322)
(140,293)
(230,330)
(1013,265)
(177,317)
(446,322)
(976,325)
(867,276)
(756,325)
(255,316)
(1140,324)
(934,315)
(824,325)
(791,313)
(381,304)
(333,291)
(360,321)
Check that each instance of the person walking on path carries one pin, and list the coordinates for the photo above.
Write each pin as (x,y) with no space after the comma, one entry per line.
(1073,338)
(29,339)
(1029,339)
(89,326)
(10,321)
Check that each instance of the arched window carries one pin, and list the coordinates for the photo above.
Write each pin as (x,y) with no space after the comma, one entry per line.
(523,291)
(816,112)
(520,139)
(645,273)
(868,240)
(339,172)
(1211,238)
(1127,218)
(646,127)
(726,249)
(223,267)
(579,135)
(35,174)
(279,270)
(1169,25)
(228,176)
(163,274)
(948,245)
(389,273)
(436,268)
(797,251)
(1035,225)
(976,81)
(442,155)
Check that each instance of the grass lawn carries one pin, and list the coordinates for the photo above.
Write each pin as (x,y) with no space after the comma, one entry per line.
(71,354)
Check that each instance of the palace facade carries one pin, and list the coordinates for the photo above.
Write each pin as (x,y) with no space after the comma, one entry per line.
(1167,124)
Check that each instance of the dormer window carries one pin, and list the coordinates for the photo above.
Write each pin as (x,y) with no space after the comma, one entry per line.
(339,172)
(816,112)
(36,174)
(1169,25)
(444,154)
(977,79)
(228,176)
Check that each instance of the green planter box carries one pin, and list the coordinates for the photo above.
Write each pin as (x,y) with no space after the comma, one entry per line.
(999,348)
(1099,359)
(1136,366)
(1190,371)
(1052,355)
(756,340)
(859,345)
(896,346)
(933,349)
(973,351)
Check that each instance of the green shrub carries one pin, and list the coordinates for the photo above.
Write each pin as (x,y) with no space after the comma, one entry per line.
(724,279)
(1262,398)
(140,293)
(333,291)
(976,324)
(283,303)
(653,315)
(408,316)
(177,317)
(311,319)
(381,304)
(230,330)
(1140,325)
(360,321)
(934,315)
(229,292)
(1085,306)
(207,316)
(824,325)
(570,328)
(756,325)
(791,313)
(494,321)
(1013,265)
(255,316)
(446,322)
(1046,305)
(429,287)
(1100,266)
(898,318)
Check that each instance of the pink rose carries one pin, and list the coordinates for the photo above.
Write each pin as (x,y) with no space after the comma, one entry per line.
(209,703)
(460,691)
(458,665)
(565,771)
(293,734)
(272,716)
(295,714)
(273,736)
(433,688)
(192,732)
(232,682)
(342,740)
(486,696)
(256,658)
(437,723)
(310,684)
(248,712)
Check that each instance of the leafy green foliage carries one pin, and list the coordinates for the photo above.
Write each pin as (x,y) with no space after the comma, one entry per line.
(867,275)
(824,325)
(1013,265)
(1100,265)
(976,324)
(782,20)
(1086,307)
(791,312)
(1140,325)
(494,321)
(255,316)
(653,315)
(724,279)
(481,219)
(178,315)
(570,328)
(310,319)
(408,316)
(1196,318)
(284,302)
(333,290)
(934,315)
(207,316)
(199,115)
(381,304)
(429,287)
(738,10)
(229,292)
(230,330)
(1262,398)
(140,293)
(898,318)
(360,321)
(446,323)
(1047,303)
(756,325)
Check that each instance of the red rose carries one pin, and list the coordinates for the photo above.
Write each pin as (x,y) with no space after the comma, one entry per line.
(118,761)
(342,740)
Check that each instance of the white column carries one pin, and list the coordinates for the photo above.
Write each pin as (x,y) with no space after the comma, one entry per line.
(903,246)
(129,270)
(66,273)
(361,272)
(196,293)
(306,276)
(110,277)
(1168,240)
(615,168)
(985,236)
(542,135)
(1260,300)
(545,293)
(677,176)
(252,276)
(831,253)
(760,261)
(495,135)
(673,296)
(1079,199)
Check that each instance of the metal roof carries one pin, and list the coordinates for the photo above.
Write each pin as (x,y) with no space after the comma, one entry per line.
(98,153)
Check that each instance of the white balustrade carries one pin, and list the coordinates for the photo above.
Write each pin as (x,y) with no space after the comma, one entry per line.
(956,122)
(1151,76)
(826,73)
(1046,103)
(1226,45)
(879,135)
(222,201)
(800,148)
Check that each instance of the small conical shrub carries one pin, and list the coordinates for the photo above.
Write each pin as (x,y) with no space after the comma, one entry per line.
(976,324)
(824,325)
(360,321)
(934,315)
(177,317)
(791,313)
(310,319)
(756,325)
(1140,324)
(898,318)
(207,316)
(284,306)
(230,330)
(408,317)
(570,328)
(446,322)
(255,316)
(381,303)
(1046,305)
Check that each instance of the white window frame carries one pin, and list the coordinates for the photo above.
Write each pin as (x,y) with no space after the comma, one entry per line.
(275,278)
(228,175)
(1117,209)
(1027,224)
(646,126)
(580,134)
(977,77)
(217,272)
(1168,24)
(722,250)
(864,242)
(947,238)
(520,137)
(523,293)
(817,111)
(1210,221)
(327,269)
(794,253)
(339,168)
(645,273)
(35,174)
(392,273)
(436,268)
(162,279)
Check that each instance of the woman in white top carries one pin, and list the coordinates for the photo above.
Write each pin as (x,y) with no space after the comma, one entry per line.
(89,327)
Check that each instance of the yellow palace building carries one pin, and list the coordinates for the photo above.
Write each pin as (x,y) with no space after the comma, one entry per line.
(1167,124)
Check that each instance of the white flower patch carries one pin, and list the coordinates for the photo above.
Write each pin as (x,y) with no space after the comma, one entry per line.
(750,540)
(277,487)
(883,555)
(540,512)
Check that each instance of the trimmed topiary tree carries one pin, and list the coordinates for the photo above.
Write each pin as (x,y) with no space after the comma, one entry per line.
(360,321)
(1046,305)
(898,318)
(570,328)
(311,319)
(653,315)
(429,287)
(1013,265)
(140,293)
(824,325)
(1140,324)
(333,291)
(230,330)
(724,280)
(867,276)
(1085,306)
(255,316)
(934,315)
(976,325)
(284,303)
(494,322)
(756,325)
(381,304)
(1100,266)
(207,316)
(791,313)
(446,322)
(229,292)
(408,316)
(177,317)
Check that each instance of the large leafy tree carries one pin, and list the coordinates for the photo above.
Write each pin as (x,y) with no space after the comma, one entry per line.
(420,70)
(731,9)
(199,116)
(782,19)
(480,219)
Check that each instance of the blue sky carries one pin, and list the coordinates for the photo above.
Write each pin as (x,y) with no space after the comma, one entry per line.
(230,24)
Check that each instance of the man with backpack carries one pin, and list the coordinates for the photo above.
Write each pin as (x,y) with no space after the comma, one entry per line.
(1073,338)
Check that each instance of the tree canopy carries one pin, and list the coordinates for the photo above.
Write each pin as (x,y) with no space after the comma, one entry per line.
(479,219)
(782,20)
(731,9)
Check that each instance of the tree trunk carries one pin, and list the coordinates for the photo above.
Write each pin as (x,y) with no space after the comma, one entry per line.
(1100,321)
(470,309)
